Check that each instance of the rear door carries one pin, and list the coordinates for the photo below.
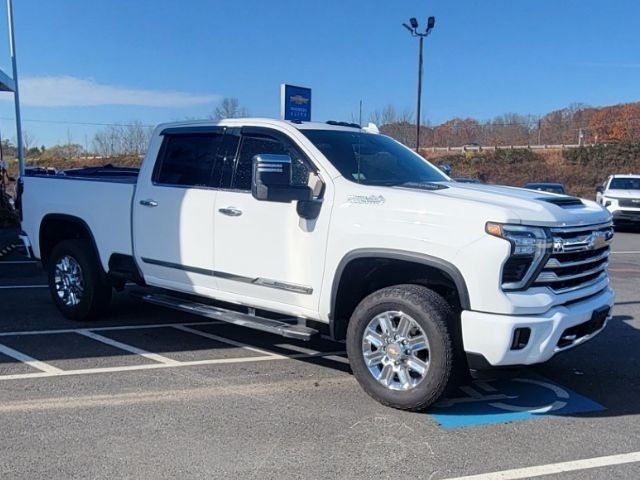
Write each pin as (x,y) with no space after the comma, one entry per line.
(173,219)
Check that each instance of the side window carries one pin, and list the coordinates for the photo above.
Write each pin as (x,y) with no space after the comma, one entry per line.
(187,160)
(255,145)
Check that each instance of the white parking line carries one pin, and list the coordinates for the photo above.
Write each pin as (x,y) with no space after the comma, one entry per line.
(9,287)
(631,251)
(26,359)
(552,468)
(106,329)
(153,366)
(211,336)
(128,348)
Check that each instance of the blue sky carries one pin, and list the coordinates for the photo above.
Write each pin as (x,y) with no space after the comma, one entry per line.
(161,60)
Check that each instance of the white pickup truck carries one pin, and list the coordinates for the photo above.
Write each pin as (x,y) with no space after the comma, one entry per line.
(305,228)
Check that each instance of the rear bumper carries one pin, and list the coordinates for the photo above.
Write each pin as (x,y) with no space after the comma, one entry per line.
(491,336)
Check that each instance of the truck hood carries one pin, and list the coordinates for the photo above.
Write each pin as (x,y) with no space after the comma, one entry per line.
(622,193)
(530,207)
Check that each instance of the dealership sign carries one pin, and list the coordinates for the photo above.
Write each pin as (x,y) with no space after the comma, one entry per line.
(295,103)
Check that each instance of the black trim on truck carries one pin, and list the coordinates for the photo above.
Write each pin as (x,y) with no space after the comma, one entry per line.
(423,259)
(263,282)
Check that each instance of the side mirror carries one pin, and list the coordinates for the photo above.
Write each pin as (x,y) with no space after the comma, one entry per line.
(272,180)
(600,189)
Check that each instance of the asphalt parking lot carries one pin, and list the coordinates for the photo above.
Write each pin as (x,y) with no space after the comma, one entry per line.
(151,393)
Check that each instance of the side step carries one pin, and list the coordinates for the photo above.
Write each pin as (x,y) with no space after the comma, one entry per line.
(279,327)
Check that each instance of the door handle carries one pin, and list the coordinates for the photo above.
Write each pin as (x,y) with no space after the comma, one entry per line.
(230,211)
(149,203)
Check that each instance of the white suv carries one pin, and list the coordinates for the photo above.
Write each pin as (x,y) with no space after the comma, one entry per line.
(620,194)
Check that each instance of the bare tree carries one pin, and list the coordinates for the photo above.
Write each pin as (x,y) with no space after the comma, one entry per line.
(229,107)
(29,140)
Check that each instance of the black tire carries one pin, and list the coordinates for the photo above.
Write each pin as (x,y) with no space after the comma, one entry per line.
(96,293)
(433,314)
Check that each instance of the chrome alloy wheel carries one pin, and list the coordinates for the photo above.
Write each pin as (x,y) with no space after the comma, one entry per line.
(69,282)
(396,350)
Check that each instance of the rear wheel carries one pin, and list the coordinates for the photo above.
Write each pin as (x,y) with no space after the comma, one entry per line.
(76,283)
(400,347)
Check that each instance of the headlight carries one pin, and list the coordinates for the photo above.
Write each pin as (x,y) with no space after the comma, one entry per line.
(608,201)
(529,247)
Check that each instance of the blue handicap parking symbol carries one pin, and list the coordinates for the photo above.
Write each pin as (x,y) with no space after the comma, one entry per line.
(500,401)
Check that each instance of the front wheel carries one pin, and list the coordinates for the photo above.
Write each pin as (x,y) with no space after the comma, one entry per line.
(399,346)
(76,283)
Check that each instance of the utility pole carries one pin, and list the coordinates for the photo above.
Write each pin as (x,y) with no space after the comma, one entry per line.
(413,29)
(539,131)
(14,63)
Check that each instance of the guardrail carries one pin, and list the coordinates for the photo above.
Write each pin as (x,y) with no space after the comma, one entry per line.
(481,148)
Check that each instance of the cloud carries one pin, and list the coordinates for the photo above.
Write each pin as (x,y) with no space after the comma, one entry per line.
(68,91)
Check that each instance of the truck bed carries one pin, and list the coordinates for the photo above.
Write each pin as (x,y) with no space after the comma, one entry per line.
(100,196)
(106,173)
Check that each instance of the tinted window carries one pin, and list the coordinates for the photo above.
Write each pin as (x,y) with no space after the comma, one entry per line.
(223,169)
(256,145)
(629,183)
(372,159)
(187,160)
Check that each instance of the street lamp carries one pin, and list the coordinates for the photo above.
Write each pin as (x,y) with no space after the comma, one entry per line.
(413,29)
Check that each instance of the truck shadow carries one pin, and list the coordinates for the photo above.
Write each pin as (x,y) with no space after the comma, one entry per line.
(603,370)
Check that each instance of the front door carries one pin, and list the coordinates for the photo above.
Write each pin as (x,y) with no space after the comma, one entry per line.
(264,250)
(173,219)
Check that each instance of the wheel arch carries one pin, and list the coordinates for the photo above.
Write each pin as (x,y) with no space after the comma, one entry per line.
(57,227)
(413,267)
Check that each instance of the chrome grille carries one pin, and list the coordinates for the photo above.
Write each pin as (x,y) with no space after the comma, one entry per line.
(580,258)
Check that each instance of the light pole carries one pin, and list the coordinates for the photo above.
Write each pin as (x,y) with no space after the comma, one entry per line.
(413,29)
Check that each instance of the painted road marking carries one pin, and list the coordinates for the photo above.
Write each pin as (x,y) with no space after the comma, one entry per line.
(552,468)
(8,287)
(628,252)
(154,366)
(26,359)
(106,329)
(217,338)
(128,348)
(500,401)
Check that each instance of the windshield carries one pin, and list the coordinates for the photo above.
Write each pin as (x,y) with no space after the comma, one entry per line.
(631,183)
(373,159)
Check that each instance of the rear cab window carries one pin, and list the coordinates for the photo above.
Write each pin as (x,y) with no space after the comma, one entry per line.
(187,159)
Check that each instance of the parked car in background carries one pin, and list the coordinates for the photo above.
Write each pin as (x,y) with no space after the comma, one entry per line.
(547,187)
(620,194)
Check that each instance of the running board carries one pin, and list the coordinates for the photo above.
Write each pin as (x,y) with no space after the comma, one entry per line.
(278,327)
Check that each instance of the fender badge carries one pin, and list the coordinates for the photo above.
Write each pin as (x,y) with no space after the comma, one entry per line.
(366,199)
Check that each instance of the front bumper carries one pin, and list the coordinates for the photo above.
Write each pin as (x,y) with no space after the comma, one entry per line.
(491,335)
(626,216)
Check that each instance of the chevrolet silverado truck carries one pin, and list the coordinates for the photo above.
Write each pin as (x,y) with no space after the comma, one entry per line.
(620,194)
(300,229)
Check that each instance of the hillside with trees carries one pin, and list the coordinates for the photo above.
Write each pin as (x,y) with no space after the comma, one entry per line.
(576,124)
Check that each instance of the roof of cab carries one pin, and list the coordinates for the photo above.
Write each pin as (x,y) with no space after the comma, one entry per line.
(235,122)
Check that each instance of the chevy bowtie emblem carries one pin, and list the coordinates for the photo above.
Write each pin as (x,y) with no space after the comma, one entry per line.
(299,100)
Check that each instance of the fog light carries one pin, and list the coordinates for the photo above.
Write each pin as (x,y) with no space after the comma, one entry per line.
(520,338)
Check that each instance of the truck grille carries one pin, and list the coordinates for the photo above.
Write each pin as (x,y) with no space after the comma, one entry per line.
(580,258)
(629,202)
